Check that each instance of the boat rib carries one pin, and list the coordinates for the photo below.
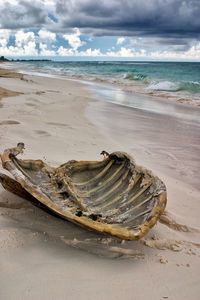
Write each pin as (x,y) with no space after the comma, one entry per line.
(113,196)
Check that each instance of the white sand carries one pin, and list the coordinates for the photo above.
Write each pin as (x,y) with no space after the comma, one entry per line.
(42,257)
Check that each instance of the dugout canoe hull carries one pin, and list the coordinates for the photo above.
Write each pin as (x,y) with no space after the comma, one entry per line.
(113,196)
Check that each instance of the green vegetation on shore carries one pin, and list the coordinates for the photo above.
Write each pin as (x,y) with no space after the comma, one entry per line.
(2,58)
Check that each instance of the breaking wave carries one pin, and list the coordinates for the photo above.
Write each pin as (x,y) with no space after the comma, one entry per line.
(163,86)
(134,76)
(192,87)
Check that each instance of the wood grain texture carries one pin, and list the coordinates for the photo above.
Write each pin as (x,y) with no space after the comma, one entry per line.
(113,196)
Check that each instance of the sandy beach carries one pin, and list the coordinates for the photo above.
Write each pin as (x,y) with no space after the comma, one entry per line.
(43,257)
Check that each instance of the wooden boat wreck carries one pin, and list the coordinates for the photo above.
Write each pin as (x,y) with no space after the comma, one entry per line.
(113,196)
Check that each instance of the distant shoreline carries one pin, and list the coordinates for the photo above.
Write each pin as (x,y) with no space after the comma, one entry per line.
(2,59)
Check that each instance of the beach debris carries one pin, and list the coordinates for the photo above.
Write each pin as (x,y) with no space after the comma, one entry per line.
(163,260)
(103,248)
(113,196)
(162,244)
(168,219)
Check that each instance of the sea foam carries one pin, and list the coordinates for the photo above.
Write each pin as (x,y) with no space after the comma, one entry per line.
(163,86)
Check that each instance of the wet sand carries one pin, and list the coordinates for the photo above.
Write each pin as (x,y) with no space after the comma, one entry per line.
(43,257)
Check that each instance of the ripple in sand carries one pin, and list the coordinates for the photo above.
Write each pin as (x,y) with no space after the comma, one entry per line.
(9,122)
(59,124)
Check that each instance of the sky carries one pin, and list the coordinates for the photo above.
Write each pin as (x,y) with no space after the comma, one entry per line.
(100,29)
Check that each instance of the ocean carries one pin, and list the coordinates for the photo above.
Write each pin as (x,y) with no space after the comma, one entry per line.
(178,81)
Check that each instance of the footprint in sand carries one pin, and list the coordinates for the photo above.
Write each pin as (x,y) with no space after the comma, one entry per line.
(31,99)
(39,92)
(52,91)
(31,104)
(9,122)
(42,133)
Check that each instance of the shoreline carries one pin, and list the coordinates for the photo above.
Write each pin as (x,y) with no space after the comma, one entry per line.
(51,117)
(92,85)
(132,87)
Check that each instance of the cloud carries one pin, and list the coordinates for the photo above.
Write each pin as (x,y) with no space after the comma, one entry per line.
(127,53)
(193,53)
(3,43)
(73,52)
(44,51)
(175,18)
(25,44)
(4,33)
(90,52)
(154,18)
(43,42)
(47,35)
(28,49)
(74,39)
(120,40)
(28,44)
(4,37)
(22,38)
(65,52)
(23,14)
(159,27)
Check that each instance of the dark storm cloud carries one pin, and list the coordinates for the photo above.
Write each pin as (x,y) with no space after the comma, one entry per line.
(169,19)
(161,18)
(27,14)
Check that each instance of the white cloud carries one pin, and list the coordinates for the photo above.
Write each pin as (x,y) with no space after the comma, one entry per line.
(28,50)
(25,45)
(120,40)
(46,52)
(72,52)
(74,39)
(134,42)
(192,54)
(3,42)
(127,52)
(46,35)
(4,37)
(5,33)
(90,52)
(45,43)
(22,38)
(13,2)
(124,52)
(64,51)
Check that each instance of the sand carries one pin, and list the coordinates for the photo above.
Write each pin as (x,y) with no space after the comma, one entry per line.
(43,257)
(8,74)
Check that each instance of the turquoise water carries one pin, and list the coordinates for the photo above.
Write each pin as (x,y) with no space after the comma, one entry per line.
(157,76)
